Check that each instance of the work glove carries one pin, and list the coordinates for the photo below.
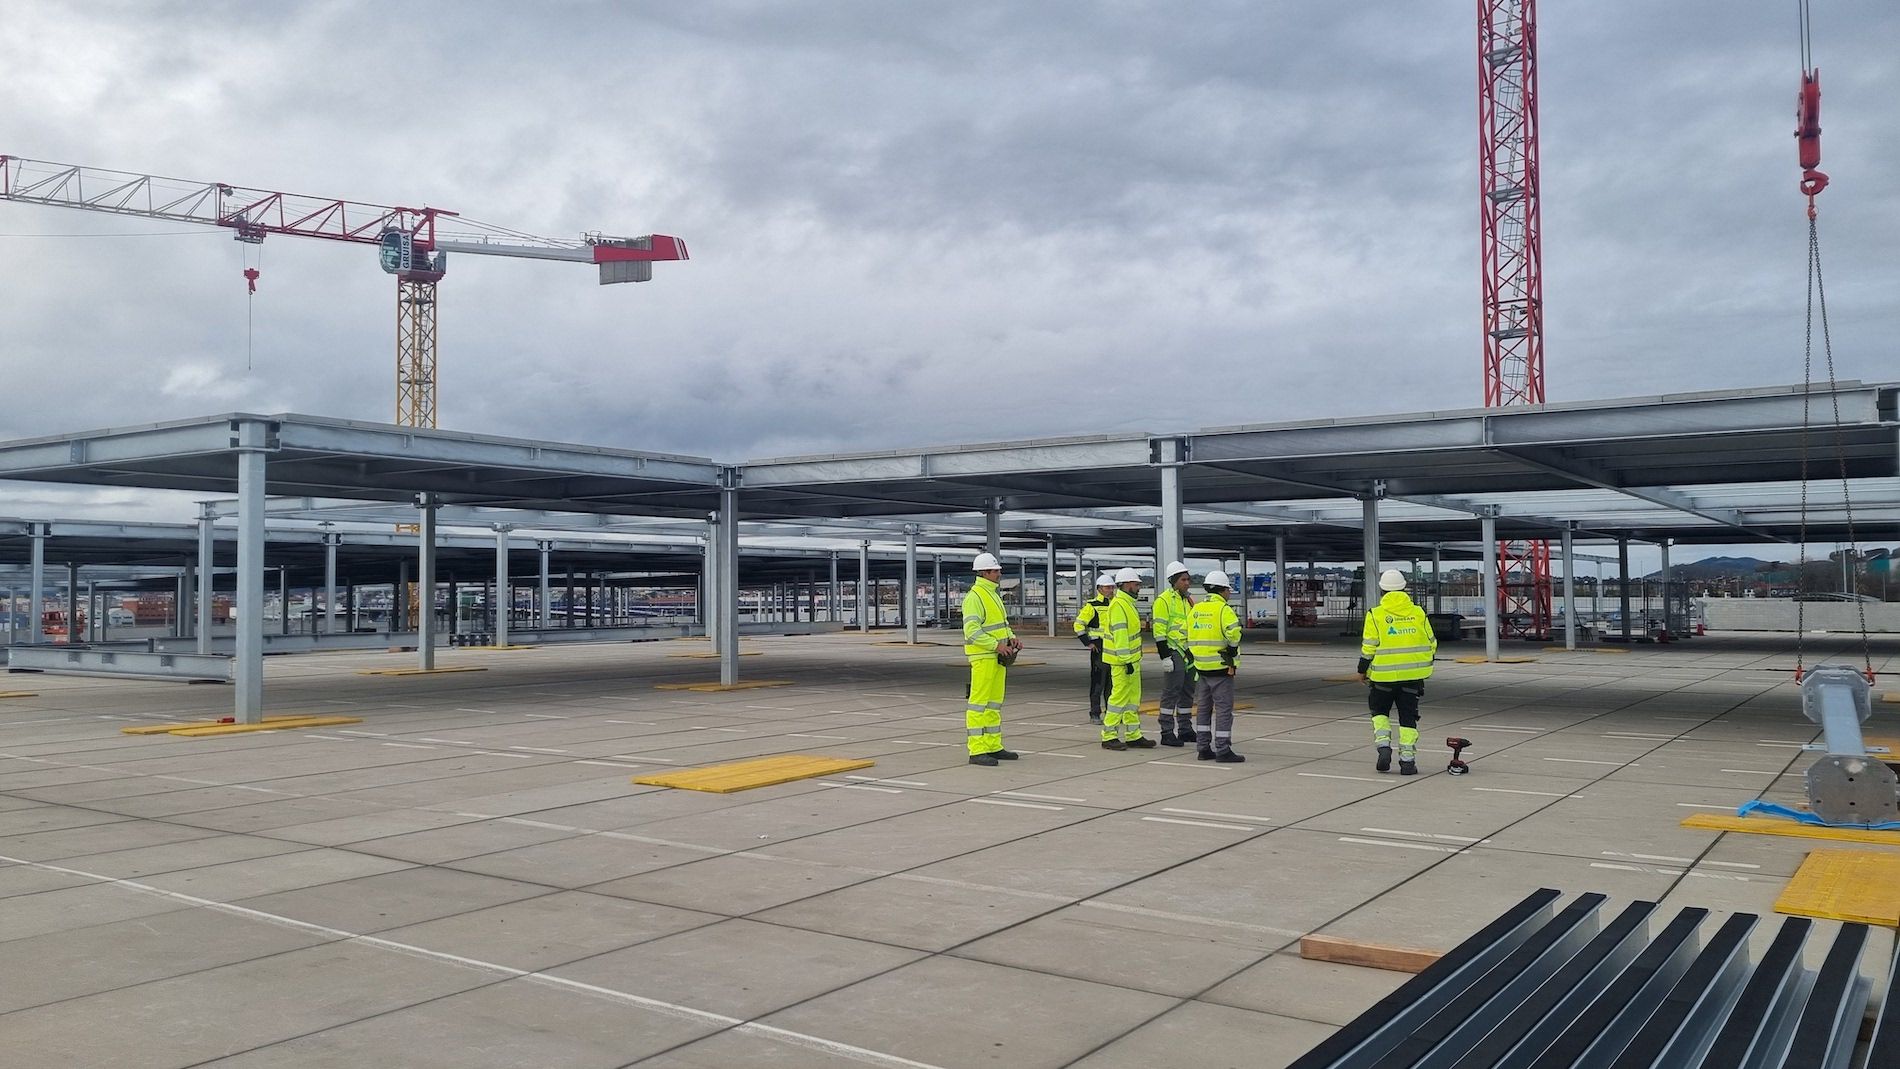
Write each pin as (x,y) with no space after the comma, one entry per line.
(1129,668)
(1162,649)
(1087,642)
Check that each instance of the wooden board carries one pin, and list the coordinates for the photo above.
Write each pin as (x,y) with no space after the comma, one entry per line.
(268,725)
(1862,886)
(759,772)
(1777,826)
(1370,955)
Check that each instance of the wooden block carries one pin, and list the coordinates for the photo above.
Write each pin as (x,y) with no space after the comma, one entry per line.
(1370,955)
(19,694)
(1777,826)
(175,725)
(284,724)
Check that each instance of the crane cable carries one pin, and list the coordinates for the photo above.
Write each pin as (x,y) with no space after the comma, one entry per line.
(1813,181)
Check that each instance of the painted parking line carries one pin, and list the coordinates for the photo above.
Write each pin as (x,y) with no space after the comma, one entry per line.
(1018,805)
(409,745)
(1423,835)
(1226,816)
(897,782)
(833,738)
(859,787)
(536,749)
(1041,797)
(1397,844)
(1328,775)
(1508,790)
(1587,761)
(1201,824)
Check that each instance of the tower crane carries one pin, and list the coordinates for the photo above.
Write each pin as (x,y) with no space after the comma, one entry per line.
(1511,250)
(413,243)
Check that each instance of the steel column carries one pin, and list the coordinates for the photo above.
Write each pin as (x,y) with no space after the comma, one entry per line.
(503,599)
(1438,578)
(249,669)
(729,577)
(546,614)
(1369,510)
(833,592)
(993,529)
(1623,582)
(330,542)
(13,616)
(1570,590)
(1669,624)
(1242,588)
(1049,587)
(1489,527)
(1169,453)
(864,586)
(709,572)
(185,610)
(36,594)
(909,597)
(1279,586)
(283,599)
(940,604)
(425,582)
(73,637)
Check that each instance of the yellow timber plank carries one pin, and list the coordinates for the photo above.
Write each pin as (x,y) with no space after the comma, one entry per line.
(1776,826)
(1845,885)
(1892,697)
(418,671)
(715,686)
(1154,708)
(759,772)
(268,725)
(712,656)
(19,694)
(166,729)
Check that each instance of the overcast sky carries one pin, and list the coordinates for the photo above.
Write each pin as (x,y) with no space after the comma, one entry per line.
(919,223)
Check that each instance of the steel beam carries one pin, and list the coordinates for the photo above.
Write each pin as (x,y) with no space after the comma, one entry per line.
(110,662)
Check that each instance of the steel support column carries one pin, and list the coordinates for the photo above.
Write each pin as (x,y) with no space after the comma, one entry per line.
(1438,578)
(1170,453)
(1242,589)
(36,593)
(1669,623)
(1049,587)
(248,671)
(425,582)
(504,600)
(1490,537)
(993,529)
(709,580)
(1623,582)
(283,599)
(1279,587)
(73,635)
(330,542)
(908,599)
(1369,510)
(546,614)
(864,587)
(940,605)
(833,592)
(729,576)
(1570,590)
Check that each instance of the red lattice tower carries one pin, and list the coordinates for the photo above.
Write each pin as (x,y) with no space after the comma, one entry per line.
(1511,250)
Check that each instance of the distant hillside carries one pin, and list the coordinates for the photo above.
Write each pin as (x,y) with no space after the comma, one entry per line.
(1713,567)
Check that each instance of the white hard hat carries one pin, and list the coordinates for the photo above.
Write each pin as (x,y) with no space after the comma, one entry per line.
(1218,579)
(1391,579)
(1127,575)
(1105,579)
(1174,568)
(986,562)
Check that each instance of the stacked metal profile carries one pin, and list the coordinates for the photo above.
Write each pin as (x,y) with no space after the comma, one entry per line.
(1543,988)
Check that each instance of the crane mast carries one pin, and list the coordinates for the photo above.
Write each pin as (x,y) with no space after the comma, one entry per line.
(411,245)
(1511,257)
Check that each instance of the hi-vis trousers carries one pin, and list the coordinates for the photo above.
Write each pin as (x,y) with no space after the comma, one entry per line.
(1122,719)
(983,715)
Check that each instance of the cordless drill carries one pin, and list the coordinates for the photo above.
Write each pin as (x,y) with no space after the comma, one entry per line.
(1457,767)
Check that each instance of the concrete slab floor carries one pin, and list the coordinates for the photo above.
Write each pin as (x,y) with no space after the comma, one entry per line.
(469,878)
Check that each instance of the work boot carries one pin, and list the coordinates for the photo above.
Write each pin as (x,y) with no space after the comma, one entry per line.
(1385,759)
(1408,768)
(1095,716)
(1005,755)
(1185,730)
(1204,754)
(988,760)
(1139,744)
(1168,738)
(1228,757)
(1113,744)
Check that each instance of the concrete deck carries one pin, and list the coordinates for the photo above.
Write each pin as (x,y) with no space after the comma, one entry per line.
(468,878)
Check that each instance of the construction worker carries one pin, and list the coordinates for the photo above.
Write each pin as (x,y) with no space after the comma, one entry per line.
(1088,628)
(989,644)
(1170,632)
(1121,651)
(1395,659)
(1213,638)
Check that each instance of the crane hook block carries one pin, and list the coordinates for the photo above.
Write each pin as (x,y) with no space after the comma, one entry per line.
(250,278)
(1807,132)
